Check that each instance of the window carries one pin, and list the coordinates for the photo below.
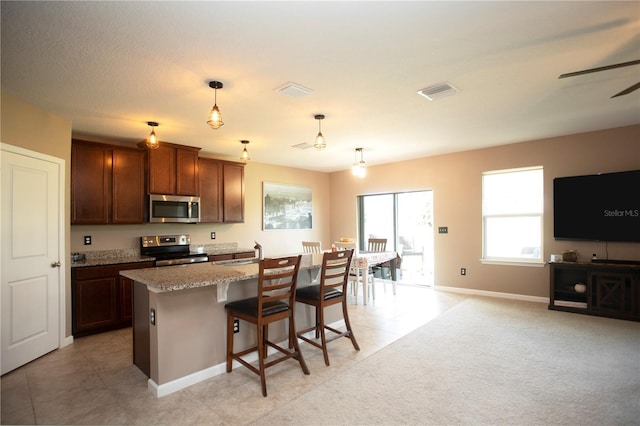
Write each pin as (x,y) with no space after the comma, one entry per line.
(512,208)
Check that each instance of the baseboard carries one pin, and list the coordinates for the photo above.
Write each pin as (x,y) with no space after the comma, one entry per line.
(499,295)
(66,341)
(199,376)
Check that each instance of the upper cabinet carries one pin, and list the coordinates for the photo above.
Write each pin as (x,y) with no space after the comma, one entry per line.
(107,184)
(221,191)
(173,169)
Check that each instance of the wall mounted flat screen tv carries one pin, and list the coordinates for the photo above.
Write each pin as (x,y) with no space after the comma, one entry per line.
(601,207)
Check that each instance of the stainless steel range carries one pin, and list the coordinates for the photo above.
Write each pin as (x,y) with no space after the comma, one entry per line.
(170,250)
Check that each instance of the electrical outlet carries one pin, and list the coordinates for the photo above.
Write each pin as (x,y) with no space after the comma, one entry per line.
(463,271)
(236,325)
(87,240)
(152,317)
(443,229)
(213,235)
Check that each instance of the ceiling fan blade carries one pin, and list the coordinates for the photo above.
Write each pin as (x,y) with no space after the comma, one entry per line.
(628,90)
(607,67)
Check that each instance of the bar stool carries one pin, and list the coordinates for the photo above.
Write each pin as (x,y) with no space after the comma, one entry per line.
(331,290)
(275,302)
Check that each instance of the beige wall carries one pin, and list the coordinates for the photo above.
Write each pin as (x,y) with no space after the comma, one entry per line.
(456,183)
(29,127)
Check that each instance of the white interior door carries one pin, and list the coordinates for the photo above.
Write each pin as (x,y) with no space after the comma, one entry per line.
(31,232)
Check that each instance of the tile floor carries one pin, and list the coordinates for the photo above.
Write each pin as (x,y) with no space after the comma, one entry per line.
(93,380)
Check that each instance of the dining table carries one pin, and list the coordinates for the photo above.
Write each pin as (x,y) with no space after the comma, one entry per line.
(363,260)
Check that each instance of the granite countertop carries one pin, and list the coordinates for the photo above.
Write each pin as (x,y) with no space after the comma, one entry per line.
(181,277)
(114,257)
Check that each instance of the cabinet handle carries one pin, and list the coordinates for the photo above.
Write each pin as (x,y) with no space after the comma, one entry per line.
(55,264)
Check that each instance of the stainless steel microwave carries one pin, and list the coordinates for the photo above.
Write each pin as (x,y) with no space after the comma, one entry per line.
(174,209)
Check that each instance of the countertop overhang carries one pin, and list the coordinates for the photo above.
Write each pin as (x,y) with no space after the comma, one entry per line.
(182,277)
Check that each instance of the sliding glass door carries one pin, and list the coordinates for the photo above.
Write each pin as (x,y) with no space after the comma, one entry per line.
(405,219)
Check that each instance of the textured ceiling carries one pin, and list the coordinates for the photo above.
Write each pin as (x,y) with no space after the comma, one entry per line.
(110,67)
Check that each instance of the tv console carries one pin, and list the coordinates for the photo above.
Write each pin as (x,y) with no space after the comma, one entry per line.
(604,288)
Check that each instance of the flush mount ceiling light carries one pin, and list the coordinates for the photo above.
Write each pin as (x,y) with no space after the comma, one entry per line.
(215,119)
(320,143)
(438,91)
(245,154)
(359,168)
(152,139)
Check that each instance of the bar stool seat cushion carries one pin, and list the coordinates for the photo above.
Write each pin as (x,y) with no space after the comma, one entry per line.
(312,292)
(250,307)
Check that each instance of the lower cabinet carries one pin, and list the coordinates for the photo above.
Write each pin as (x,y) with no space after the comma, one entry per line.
(101,298)
(609,290)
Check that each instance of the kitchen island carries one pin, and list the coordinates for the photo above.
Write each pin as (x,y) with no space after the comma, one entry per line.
(179,320)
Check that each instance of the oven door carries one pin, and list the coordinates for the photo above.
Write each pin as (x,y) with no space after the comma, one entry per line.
(174,209)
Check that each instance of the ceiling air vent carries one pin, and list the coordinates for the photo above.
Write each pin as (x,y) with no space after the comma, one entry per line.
(438,91)
(294,90)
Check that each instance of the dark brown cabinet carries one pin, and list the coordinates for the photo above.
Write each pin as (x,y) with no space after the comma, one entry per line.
(221,191)
(603,289)
(173,170)
(107,184)
(232,256)
(101,298)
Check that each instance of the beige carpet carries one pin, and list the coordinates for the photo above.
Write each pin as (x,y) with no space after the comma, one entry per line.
(487,361)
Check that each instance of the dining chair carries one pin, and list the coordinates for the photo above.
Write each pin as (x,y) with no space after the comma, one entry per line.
(331,290)
(311,247)
(275,301)
(376,245)
(355,274)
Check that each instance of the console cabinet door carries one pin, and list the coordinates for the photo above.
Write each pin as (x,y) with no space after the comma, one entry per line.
(90,183)
(233,192)
(611,292)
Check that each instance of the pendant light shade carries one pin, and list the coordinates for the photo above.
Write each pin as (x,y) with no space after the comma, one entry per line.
(215,118)
(152,139)
(245,154)
(359,168)
(319,143)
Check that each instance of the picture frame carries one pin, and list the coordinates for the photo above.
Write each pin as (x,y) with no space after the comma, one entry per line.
(286,206)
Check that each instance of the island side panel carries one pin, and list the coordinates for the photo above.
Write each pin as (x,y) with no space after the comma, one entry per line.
(140,322)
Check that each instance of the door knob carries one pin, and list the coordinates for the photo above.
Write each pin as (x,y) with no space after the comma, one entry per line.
(55,264)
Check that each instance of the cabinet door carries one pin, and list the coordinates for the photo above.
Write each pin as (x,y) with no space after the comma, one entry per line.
(187,172)
(210,182)
(94,305)
(128,186)
(611,292)
(90,183)
(233,192)
(162,170)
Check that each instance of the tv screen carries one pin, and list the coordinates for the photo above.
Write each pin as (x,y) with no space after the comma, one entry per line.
(602,207)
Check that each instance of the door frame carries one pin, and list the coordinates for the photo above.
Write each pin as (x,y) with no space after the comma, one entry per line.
(62,232)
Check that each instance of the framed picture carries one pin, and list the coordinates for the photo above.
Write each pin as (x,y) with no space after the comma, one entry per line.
(286,206)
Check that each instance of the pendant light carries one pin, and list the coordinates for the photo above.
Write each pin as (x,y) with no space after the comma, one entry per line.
(359,169)
(215,118)
(320,143)
(152,139)
(245,154)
